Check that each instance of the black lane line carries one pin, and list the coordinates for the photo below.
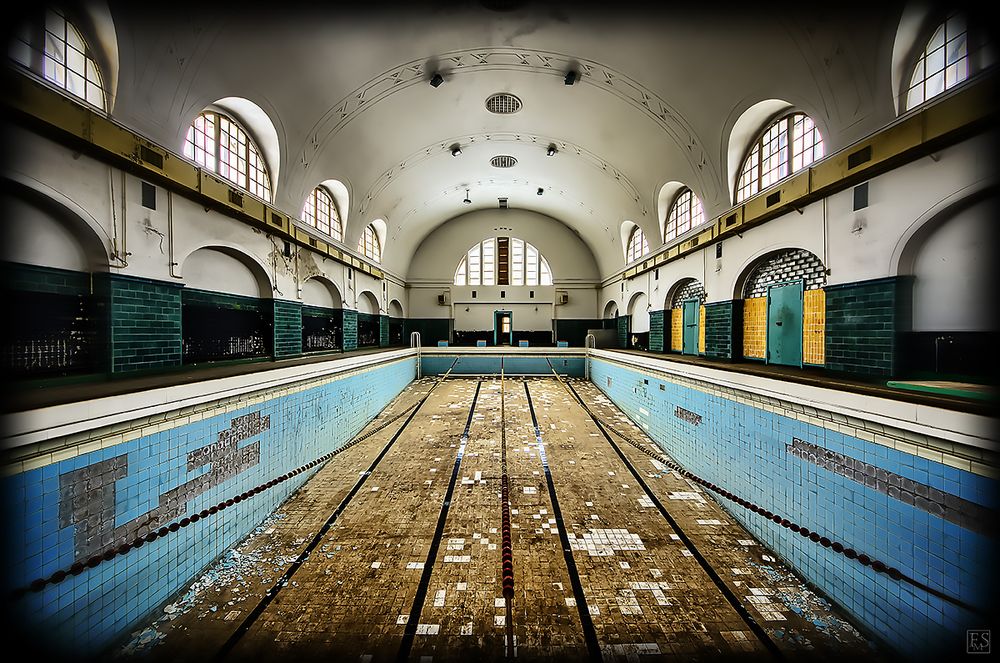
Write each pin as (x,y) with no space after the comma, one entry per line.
(589,634)
(248,623)
(757,629)
(425,578)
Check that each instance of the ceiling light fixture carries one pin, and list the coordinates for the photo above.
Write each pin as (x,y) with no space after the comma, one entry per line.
(571,77)
(540,191)
(455,150)
(551,151)
(467,201)
(437,79)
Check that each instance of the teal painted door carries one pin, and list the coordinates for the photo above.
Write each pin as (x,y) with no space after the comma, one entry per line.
(784,324)
(690,343)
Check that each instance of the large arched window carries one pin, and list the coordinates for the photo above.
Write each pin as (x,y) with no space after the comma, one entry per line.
(686,213)
(503,261)
(370,246)
(216,142)
(637,245)
(59,53)
(320,212)
(952,55)
(786,147)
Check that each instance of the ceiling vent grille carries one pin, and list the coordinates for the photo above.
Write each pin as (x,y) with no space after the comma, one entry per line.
(503,161)
(503,103)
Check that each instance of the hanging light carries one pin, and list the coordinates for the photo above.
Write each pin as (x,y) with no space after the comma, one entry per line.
(467,201)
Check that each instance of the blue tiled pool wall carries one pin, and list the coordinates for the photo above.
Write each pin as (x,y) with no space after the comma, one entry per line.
(748,451)
(512,365)
(242,449)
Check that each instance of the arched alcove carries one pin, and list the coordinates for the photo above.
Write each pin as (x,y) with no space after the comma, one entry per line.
(395,309)
(638,309)
(368,303)
(320,291)
(227,270)
(782,265)
(610,310)
(683,290)
(39,230)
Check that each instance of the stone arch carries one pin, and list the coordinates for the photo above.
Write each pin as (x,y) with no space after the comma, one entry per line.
(368,303)
(779,266)
(949,252)
(321,291)
(45,228)
(638,310)
(684,289)
(228,269)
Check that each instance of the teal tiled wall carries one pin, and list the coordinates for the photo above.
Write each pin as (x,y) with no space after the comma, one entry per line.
(656,335)
(287,328)
(145,318)
(350,329)
(863,324)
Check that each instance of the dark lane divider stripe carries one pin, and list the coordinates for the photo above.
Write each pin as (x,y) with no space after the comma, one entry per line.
(589,634)
(757,629)
(248,623)
(425,578)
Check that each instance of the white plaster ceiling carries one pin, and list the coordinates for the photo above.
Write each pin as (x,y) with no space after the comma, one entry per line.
(348,93)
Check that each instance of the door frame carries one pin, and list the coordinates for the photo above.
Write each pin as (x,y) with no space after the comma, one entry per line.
(496,328)
(767,319)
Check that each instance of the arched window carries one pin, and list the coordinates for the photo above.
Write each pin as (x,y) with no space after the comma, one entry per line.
(320,212)
(484,264)
(771,160)
(949,58)
(637,245)
(686,213)
(59,53)
(370,246)
(216,142)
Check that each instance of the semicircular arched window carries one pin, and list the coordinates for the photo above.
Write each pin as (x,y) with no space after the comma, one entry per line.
(369,245)
(58,52)
(637,245)
(686,213)
(484,264)
(320,212)
(784,148)
(953,54)
(218,143)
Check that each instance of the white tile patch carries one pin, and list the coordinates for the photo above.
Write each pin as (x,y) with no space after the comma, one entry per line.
(709,522)
(645,502)
(428,629)
(414,565)
(604,542)
(460,559)
(376,565)
(439,598)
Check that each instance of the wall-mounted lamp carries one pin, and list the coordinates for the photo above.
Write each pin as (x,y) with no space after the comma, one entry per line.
(436,79)
(540,191)
(551,151)
(455,150)
(467,201)
(571,77)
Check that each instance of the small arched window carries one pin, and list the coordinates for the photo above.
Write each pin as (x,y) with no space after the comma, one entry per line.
(484,264)
(637,245)
(786,147)
(58,52)
(369,246)
(686,213)
(217,143)
(320,212)
(952,55)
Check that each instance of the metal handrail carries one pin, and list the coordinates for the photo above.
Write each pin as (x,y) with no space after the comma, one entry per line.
(587,345)
(415,343)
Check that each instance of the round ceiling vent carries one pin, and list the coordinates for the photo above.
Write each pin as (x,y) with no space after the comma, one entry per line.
(503,103)
(503,161)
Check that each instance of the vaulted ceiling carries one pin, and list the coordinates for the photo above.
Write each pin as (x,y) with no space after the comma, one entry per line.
(659,92)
